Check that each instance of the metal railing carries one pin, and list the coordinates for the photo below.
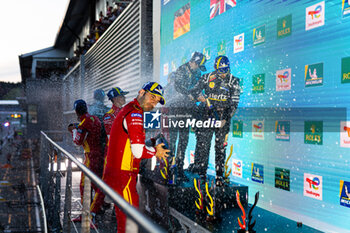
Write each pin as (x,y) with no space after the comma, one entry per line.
(50,181)
(43,208)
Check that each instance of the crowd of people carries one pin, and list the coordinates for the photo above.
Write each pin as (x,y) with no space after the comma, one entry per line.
(114,140)
(96,31)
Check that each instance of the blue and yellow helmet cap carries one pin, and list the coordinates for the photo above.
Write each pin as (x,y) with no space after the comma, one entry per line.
(116,91)
(222,65)
(155,89)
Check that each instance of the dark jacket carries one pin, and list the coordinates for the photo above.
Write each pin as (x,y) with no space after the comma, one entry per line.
(222,93)
(185,80)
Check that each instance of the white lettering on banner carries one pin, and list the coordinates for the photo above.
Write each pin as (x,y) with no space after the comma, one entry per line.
(199,124)
(191,122)
(181,124)
(282,137)
(209,123)
(206,124)
(258,178)
(345,201)
(314,82)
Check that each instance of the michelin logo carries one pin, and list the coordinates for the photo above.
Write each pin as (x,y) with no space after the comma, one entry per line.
(151,120)
(136,115)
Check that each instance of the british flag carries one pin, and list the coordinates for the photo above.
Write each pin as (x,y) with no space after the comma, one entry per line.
(218,7)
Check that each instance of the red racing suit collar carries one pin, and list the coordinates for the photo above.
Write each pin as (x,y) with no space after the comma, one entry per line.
(81,118)
(115,108)
(137,105)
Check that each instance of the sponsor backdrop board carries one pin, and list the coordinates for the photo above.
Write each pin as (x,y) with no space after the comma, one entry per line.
(296,56)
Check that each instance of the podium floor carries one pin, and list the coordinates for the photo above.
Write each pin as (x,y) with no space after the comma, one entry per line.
(173,207)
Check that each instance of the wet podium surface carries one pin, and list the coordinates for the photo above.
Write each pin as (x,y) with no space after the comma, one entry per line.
(265,222)
(174,208)
(175,205)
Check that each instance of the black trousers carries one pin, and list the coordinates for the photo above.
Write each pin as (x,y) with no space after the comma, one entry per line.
(204,137)
(180,134)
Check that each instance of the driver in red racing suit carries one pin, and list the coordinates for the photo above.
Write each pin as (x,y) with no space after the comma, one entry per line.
(117,96)
(87,134)
(127,147)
